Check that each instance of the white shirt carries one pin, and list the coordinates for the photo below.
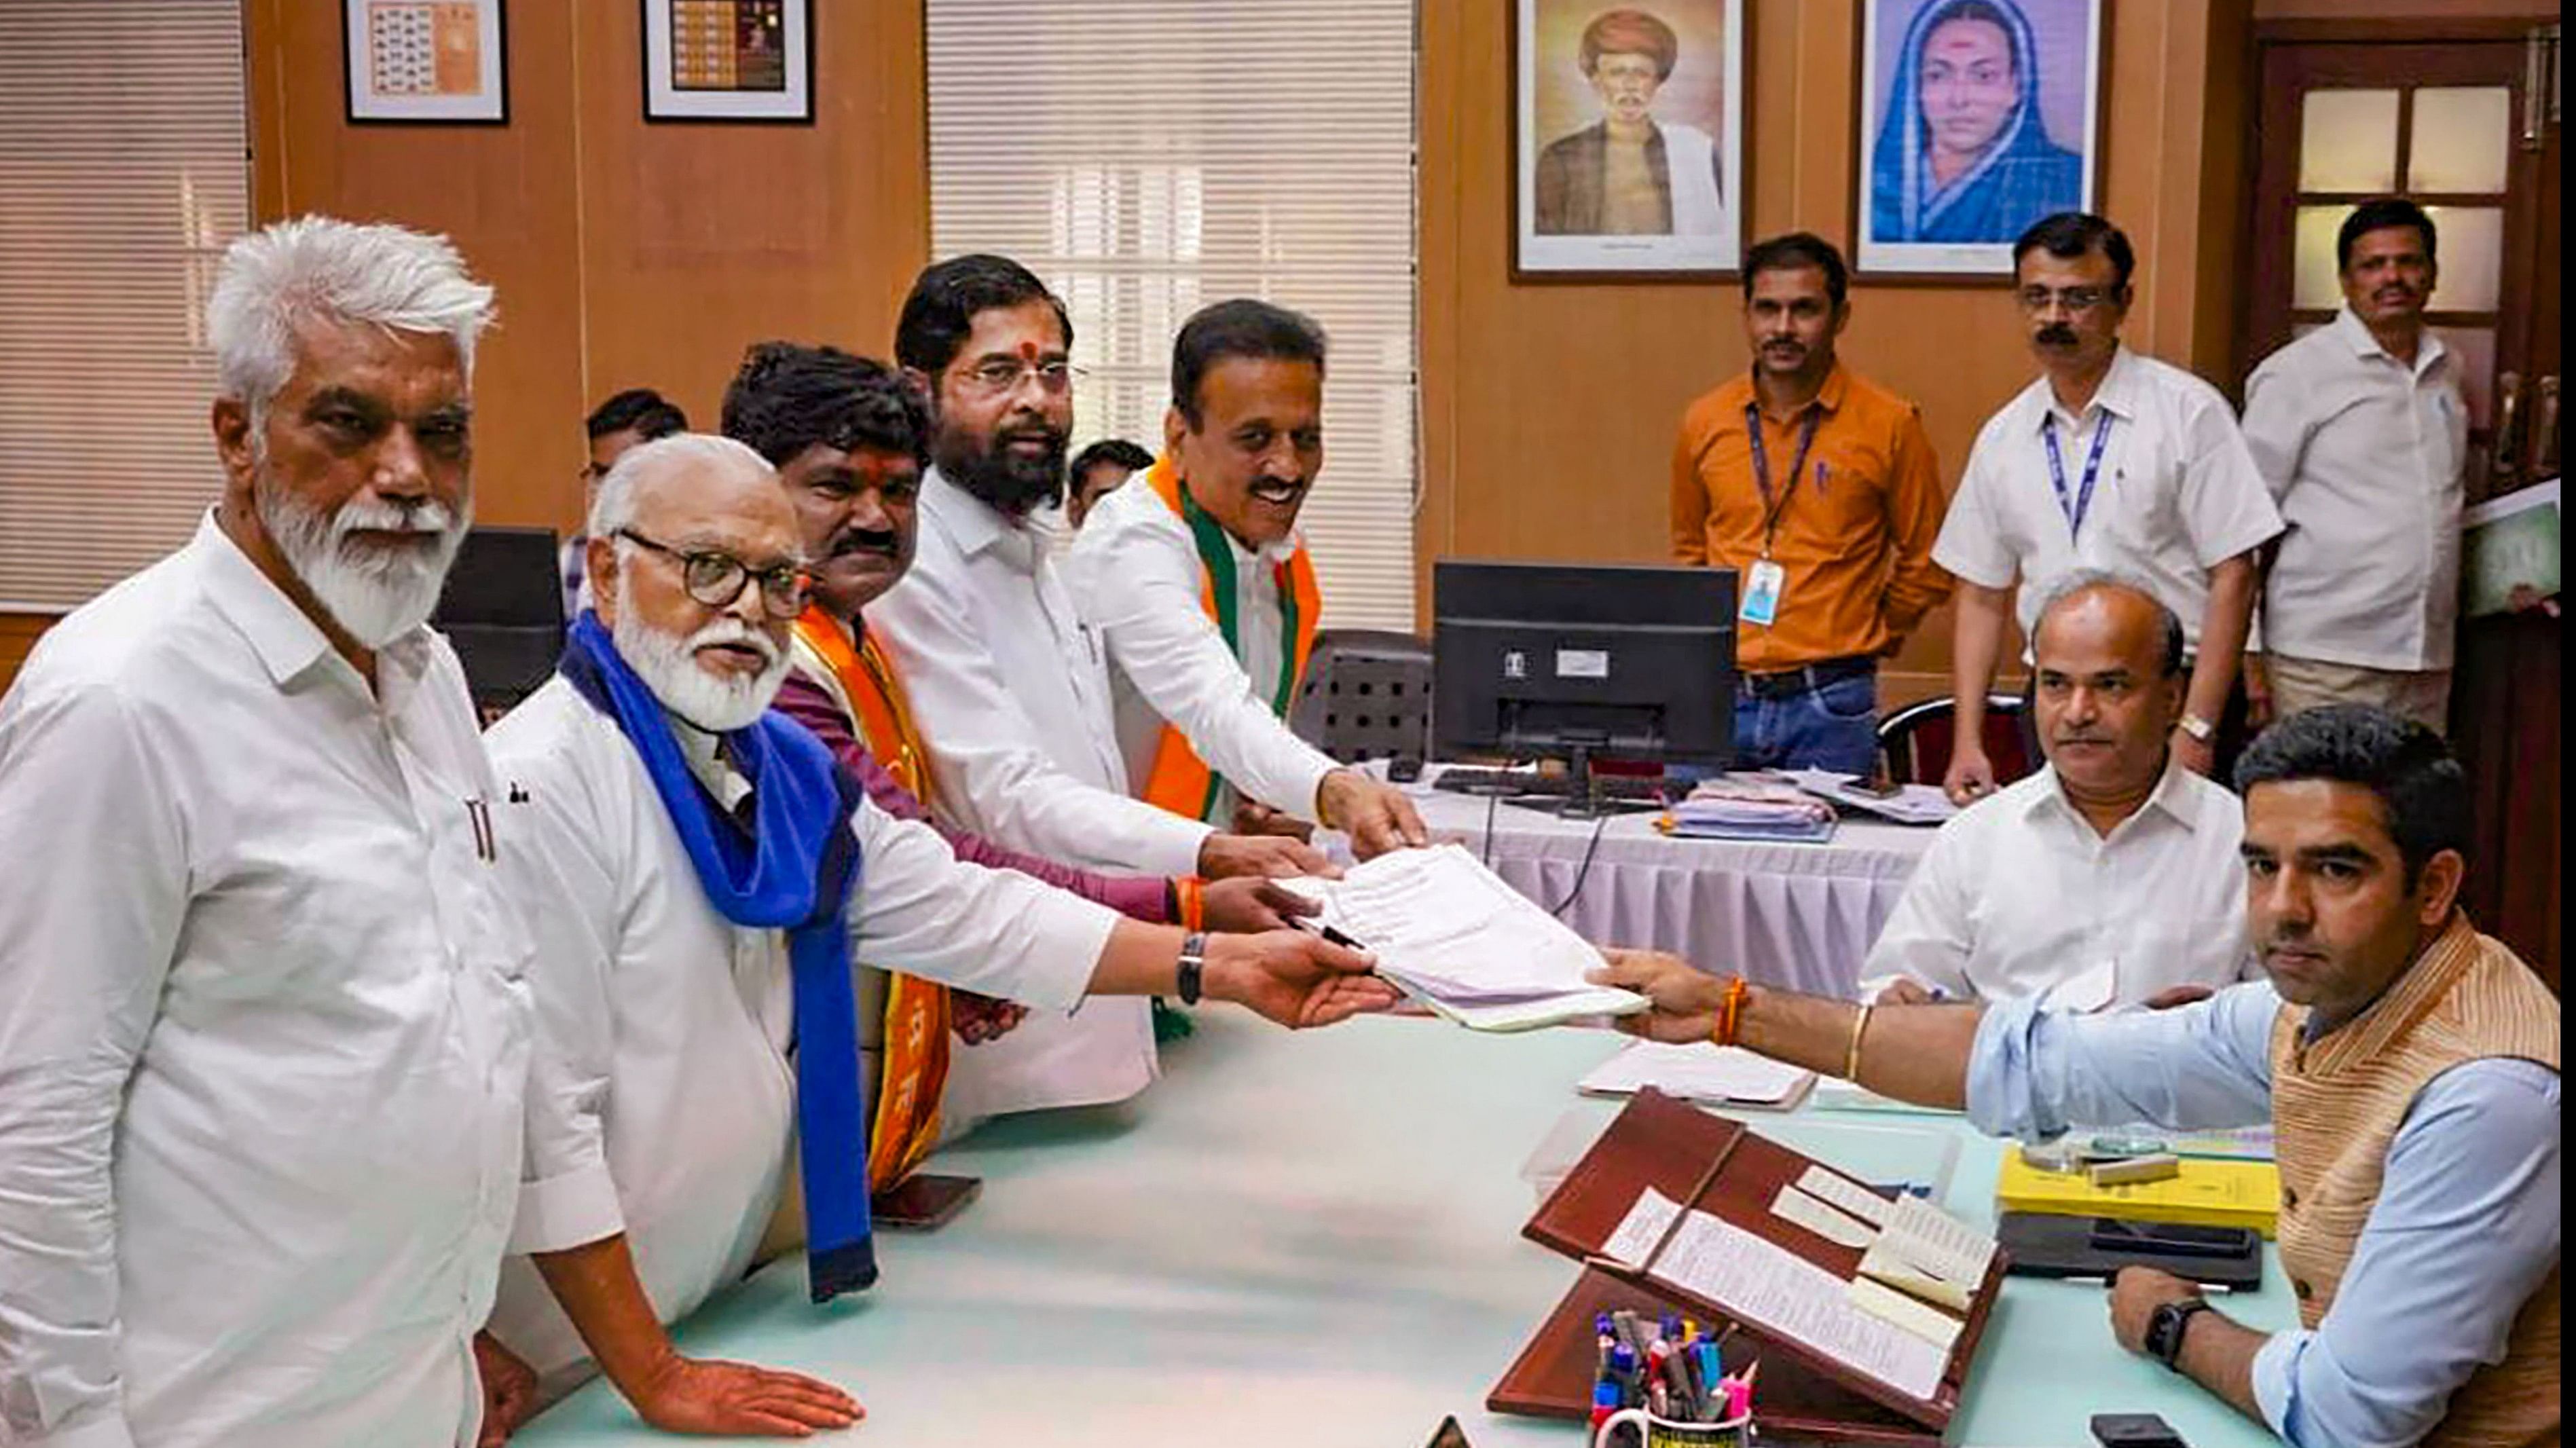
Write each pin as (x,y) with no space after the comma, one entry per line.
(1011,690)
(663,1101)
(2177,492)
(1135,574)
(263,1032)
(2365,455)
(2018,897)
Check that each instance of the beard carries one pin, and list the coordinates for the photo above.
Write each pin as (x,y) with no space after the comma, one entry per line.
(375,593)
(668,665)
(1015,483)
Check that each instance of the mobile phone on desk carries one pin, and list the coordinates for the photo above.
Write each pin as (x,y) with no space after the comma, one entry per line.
(924,1200)
(2173,1239)
(2135,1430)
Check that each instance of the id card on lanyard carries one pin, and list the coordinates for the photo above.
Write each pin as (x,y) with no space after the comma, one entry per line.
(1764,581)
(2081,503)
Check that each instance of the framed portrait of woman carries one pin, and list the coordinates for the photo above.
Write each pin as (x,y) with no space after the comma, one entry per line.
(1627,139)
(1978,117)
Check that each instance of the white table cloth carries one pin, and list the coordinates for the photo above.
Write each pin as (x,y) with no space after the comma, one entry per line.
(1795,915)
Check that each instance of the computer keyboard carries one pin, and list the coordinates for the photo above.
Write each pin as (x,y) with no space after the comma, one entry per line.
(1509,783)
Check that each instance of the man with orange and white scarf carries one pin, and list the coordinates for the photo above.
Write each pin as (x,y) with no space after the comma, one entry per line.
(1198,580)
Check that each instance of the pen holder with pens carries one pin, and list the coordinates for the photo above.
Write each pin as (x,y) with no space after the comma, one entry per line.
(1651,1431)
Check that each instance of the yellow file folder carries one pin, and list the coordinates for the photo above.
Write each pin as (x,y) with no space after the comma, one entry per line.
(2206,1194)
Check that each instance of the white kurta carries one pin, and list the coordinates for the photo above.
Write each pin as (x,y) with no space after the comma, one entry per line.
(2018,897)
(1011,689)
(662,1102)
(262,1029)
(1135,574)
(2366,455)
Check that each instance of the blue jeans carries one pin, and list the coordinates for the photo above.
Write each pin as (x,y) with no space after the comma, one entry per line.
(1834,727)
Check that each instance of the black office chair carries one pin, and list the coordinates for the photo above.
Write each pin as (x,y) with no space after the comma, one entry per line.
(503,612)
(1367,695)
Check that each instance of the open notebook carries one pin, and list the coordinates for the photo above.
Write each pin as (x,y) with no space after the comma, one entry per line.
(1449,933)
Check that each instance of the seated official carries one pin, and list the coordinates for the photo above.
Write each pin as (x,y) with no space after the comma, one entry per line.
(699,876)
(2111,876)
(1199,582)
(2408,1065)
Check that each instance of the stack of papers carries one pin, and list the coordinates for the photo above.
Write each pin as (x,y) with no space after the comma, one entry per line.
(1912,804)
(1741,807)
(1450,934)
(1699,1071)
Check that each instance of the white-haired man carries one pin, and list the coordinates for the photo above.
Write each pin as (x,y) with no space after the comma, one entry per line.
(699,874)
(262,1027)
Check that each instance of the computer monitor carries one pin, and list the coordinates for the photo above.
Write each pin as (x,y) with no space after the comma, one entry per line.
(502,611)
(1553,661)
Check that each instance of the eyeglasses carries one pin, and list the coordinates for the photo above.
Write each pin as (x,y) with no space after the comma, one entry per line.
(1001,376)
(716,579)
(2076,300)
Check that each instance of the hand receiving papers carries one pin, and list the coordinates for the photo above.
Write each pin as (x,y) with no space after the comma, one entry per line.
(1450,934)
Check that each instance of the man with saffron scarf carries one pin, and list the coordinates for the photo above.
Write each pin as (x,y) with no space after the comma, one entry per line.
(1205,593)
(1964,155)
(850,440)
(699,875)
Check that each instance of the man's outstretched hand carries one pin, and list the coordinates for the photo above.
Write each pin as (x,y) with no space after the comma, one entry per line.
(1294,978)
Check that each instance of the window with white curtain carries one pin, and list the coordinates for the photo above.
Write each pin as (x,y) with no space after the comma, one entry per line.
(123,173)
(1147,157)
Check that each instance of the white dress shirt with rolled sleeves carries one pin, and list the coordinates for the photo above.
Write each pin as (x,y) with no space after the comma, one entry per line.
(2176,495)
(2020,897)
(1011,691)
(663,1099)
(2365,454)
(263,1029)
(1136,576)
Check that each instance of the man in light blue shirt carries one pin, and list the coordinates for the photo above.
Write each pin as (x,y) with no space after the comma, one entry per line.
(2409,1064)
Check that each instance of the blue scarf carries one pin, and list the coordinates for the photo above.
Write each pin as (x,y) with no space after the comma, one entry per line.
(794,871)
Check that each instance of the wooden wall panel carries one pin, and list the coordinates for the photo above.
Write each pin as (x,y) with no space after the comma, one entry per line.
(507,195)
(1549,410)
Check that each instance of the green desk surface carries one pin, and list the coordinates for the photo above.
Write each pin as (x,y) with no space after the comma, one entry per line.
(1314,1239)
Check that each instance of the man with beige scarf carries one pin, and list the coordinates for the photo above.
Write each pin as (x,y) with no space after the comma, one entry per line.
(2408,1063)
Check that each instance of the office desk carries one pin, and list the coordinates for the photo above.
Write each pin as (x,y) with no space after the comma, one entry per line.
(1311,1240)
(1802,916)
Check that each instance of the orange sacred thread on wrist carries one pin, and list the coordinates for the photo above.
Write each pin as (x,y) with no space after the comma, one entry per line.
(1730,1012)
(1192,891)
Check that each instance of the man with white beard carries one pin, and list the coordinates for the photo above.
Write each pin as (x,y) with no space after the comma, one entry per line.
(263,1032)
(700,874)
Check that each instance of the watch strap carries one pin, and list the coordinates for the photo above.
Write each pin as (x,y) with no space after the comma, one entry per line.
(2166,1329)
(1192,973)
(2197,727)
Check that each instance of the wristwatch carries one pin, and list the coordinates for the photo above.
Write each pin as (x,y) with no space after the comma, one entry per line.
(1193,967)
(2201,730)
(2165,1327)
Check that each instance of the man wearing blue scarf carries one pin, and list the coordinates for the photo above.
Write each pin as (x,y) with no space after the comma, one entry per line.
(699,873)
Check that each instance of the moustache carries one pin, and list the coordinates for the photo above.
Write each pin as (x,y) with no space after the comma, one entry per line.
(2056,334)
(731,630)
(866,540)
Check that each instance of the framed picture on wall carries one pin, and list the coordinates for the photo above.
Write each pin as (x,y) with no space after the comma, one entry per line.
(1977,118)
(437,61)
(1627,139)
(729,60)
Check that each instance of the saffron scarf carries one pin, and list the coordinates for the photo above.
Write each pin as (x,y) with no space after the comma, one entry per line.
(794,869)
(1180,781)
(915,1066)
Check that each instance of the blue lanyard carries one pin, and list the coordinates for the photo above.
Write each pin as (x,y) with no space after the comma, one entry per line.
(2083,500)
(1762,466)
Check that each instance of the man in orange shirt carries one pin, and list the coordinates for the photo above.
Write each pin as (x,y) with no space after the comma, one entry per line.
(1819,488)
